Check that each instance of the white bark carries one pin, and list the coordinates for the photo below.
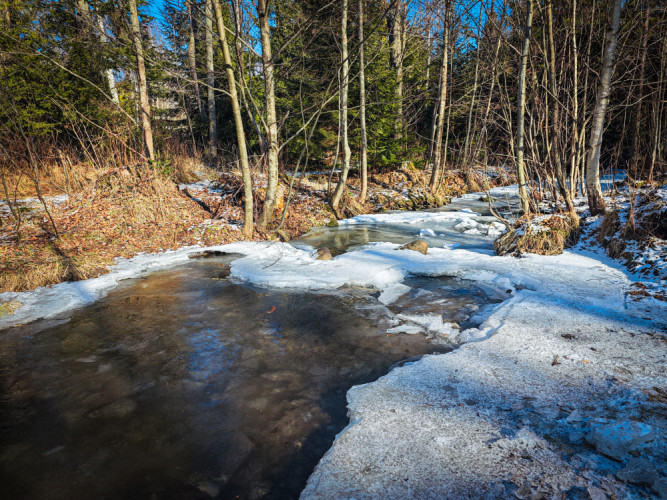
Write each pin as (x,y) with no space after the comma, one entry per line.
(595,201)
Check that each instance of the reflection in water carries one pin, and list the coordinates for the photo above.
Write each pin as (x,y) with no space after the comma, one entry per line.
(444,231)
(185,385)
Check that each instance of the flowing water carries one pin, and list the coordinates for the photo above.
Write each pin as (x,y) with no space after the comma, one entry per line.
(185,384)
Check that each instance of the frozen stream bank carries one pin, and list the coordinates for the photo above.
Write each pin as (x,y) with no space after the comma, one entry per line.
(564,397)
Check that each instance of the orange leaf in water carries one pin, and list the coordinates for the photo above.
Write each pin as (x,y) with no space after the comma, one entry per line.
(273,309)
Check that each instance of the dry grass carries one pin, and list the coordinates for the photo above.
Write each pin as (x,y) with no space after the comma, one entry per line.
(118,216)
(557,232)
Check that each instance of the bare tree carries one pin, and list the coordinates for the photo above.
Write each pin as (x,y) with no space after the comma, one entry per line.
(144,104)
(238,122)
(266,215)
(521,109)
(555,116)
(362,107)
(596,203)
(191,58)
(439,110)
(210,80)
(397,28)
(345,80)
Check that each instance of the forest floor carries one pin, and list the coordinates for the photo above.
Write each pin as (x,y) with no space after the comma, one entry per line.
(118,215)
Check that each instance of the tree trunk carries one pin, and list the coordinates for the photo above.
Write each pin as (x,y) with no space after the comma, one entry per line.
(397,46)
(439,110)
(466,156)
(144,105)
(108,73)
(238,122)
(272,122)
(86,21)
(191,59)
(555,117)
(340,187)
(210,80)
(575,105)
(657,153)
(638,115)
(595,201)
(362,107)
(521,105)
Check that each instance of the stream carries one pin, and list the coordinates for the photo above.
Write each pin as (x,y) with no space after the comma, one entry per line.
(189,384)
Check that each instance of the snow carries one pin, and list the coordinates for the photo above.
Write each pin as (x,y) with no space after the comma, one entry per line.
(568,358)
(32,203)
(491,419)
(411,218)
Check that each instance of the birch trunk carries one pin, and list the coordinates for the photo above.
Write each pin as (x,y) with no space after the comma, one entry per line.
(238,122)
(521,105)
(440,110)
(144,105)
(362,107)
(266,215)
(397,46)
(191,59)
(596,203)
(210,80)
(340,187)
(555,116)
(108,73)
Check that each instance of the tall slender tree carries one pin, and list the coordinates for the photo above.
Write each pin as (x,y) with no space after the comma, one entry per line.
(192,63)
(521,110)
(144,104)
(238,122)
(210,81)
(596,202)
(344,89)
(362,107)
(439,110)
(266,216)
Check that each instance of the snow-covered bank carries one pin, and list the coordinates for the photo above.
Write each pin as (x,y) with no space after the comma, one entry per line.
(511,415)
(564,398)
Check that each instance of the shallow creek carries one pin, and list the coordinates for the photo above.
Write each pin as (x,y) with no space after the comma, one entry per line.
(185,384)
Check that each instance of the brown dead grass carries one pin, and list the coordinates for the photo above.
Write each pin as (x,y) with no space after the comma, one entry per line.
(116,217)
(562,230)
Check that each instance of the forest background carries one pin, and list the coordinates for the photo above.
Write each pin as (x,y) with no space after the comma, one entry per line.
(112,102)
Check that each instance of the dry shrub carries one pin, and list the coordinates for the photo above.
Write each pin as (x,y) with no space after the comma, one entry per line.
(556,232)
(474,183)
(645,222)
(611,236)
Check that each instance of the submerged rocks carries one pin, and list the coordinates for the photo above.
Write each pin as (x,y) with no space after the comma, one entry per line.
(323,254)
(417,245)
(638,471)
(207,254)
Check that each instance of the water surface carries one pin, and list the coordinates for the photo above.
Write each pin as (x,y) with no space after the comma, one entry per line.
(184,384)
